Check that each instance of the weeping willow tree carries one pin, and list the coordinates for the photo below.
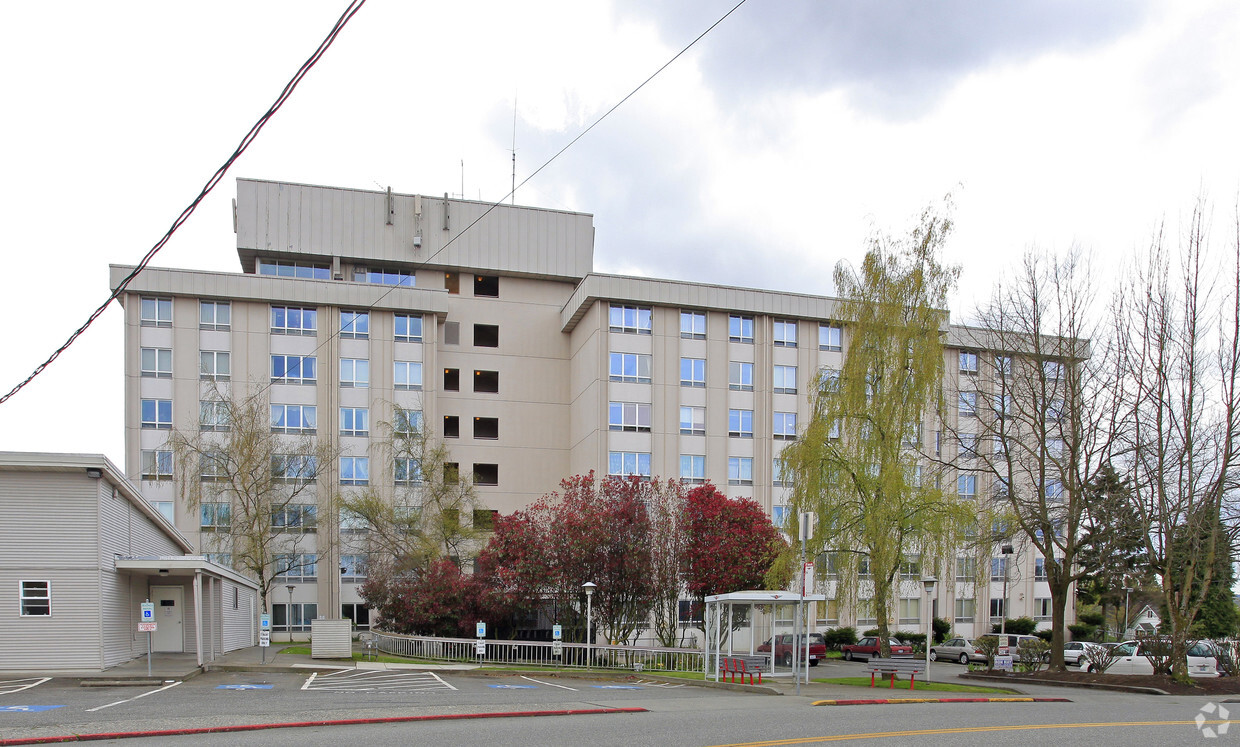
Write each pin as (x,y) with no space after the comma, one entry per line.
(856,465)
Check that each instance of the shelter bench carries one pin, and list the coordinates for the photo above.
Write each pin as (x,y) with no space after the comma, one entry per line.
(892,667)
(743,665)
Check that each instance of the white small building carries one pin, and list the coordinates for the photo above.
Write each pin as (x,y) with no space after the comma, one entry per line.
(81,550)
(1145,622)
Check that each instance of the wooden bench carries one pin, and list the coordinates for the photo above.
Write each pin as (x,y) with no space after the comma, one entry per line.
(892,667)
(743,665)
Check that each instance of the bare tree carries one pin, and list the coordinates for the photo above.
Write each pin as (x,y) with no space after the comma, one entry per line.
(666,507)
(257,488)
(1036,412)
(1179,321)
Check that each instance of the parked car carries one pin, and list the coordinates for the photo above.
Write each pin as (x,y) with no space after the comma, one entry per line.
(955,649)
(1129,659)
(1073,652)
(868,648)
(1011,640)
(784,649)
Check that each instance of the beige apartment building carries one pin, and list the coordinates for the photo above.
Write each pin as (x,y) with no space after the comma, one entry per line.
(490,322)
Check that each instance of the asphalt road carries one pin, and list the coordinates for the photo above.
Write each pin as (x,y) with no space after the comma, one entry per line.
(685,715)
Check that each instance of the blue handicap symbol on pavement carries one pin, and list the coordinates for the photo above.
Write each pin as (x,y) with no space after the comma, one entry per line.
(244,687)
(27,709)
(617,687)
(514,687)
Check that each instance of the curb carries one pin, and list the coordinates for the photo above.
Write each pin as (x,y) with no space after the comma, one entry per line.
(1065,683)
(298,724)
(904,701)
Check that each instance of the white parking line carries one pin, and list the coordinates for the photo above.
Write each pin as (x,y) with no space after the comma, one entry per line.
(548,684)
(655,683)
(8,687)
(129,700)
(376,680)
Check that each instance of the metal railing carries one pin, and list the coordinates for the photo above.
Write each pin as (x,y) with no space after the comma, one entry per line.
(541,654)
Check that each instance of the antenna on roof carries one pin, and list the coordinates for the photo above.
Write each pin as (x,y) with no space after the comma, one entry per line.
(514,148)
(462,178)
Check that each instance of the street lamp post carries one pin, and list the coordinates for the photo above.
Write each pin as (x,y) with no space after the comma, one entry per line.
(589,586)
(1005,551)
(288,613)
(929,582)
(1127,591)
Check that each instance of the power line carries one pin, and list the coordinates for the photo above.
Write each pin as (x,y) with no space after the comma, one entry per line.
(216,178)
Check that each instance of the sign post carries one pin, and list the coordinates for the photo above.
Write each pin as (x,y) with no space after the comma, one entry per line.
(557,640)
(264,633)
(148,625)
(480,648)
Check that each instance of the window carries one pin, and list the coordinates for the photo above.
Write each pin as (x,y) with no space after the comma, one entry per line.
(451,426)
(486,382)
(828,380)
(1039,569)
(157,413)
(297,567)
(833,432)
(353,523)
(293,618)
(295,517)
(863,569)
(486,474)
(692,372)
(214,365)
(213,416)
(1003,366)
(692,468)
(1053,491)
(156,464)
(452,379)
(290,320)
(408,471)
(1003,405)
(294,467)
(1055,409)
(407,422)
(998,568)
(740,328)
(358,614)
(294,419)
(966,570)
(740,470)
(628,416)
(779,515)
(156,312)
(408,328)
(354,372)
(36,599)
(212,465)
(968,362)
(355,324)
(486,428)
(407,375)
(968,404)
(215,517)
(785,425)
(486,335)
(740,423)
(785,380)
(629,319)
(968,445)
(1042,608)
(965,610)
(996,609)
(1054,447)
(830,337)
(631,367)
(740,376)
(910,610)
(354,470)
(692,325)
(693,421)
(910,567)
(384,276)
(452,283)
(785,334)
(293,369)
(219,558)
(354,421)
(1052,370)
(624,463)
(782,478)
(214,315)
(285,269)
(451,475)
(157,363)
(354,567)
(486,286)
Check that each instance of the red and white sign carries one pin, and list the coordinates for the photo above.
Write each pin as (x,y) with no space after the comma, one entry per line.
(146,627)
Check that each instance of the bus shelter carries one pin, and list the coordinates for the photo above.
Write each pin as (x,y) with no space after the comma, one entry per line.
(716,604)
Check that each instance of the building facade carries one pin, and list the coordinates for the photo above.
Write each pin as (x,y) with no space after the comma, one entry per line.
(490,322)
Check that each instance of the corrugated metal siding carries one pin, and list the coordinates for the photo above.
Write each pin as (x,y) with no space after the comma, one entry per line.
(240,623)
(69,639)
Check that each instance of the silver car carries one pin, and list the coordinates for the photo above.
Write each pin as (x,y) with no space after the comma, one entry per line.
(954,649)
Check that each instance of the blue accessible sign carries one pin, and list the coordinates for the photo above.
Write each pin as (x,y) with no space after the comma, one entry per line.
(244,687)
(27,709)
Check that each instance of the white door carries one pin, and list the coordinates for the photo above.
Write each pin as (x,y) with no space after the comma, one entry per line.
(169,604)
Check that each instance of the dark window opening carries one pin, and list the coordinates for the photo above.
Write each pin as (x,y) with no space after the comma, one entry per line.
(452,282)
(486,285)
(486,428)
(484,519)
(451,426)
(486,474)
(486,381)
(486,335)
(451,474)
(452,379)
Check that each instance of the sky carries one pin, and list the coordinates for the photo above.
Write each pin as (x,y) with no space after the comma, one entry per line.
(768,153)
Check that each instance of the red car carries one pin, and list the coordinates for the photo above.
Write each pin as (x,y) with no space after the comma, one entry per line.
(784,649)
(867,648)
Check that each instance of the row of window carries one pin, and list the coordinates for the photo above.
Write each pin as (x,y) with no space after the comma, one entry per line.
(637,320)
(635,368)
(1051,370)
(635,416)
(291,320)
(692,467)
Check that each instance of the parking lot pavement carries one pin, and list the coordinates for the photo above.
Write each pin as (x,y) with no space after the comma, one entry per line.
(350,680)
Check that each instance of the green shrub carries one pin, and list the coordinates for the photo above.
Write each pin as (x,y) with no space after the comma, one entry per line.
(942,629)
(871,631)
(916,640)
(1082,631)
(1031,653)
(1090,618)
(837,637)
(1018,625)
(1045,635)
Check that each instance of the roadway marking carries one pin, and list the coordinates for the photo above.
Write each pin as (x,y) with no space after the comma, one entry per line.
(27,709)
(513,687)
(244,687)
(549,684)
(130,700)
(616,687)
(372,680)
(968,730)
(8,687)
(656,683)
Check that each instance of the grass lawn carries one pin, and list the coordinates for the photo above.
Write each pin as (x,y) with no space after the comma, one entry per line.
(904,685)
